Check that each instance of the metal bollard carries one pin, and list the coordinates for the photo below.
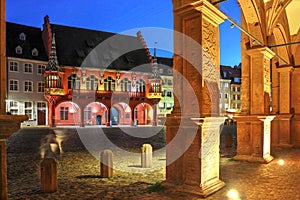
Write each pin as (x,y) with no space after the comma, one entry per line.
(106,164)
(146,156)
(49,175)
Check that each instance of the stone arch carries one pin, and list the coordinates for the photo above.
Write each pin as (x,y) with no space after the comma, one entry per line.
(254,18)
(280,37)
(124,113)
(95,113)
(144,114)
(67,113)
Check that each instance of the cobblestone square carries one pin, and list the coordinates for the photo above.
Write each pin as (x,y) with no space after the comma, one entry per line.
(79,173)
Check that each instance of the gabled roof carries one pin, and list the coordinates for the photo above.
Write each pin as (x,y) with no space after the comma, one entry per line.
(73,45)
(33,41)
(166,64)
(228,72)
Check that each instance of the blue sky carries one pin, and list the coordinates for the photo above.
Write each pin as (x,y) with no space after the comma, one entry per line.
(119,16)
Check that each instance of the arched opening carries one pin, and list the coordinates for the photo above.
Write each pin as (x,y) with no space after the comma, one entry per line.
(121,114)
(143,114)
(95,113)
(114,116)
(67,113)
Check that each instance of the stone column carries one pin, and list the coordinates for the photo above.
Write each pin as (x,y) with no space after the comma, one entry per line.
(253,131)
(154,107)
(51,110)
(192,131)
(8,125)
(2,57)
(282,124)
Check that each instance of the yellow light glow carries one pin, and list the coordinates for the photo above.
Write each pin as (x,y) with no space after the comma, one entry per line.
(280,162)
(233,194)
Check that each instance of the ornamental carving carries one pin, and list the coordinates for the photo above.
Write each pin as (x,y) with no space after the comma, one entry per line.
(210,52)
(267,82)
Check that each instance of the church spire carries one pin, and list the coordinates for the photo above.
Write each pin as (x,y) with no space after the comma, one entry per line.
(53,63)
(155,65)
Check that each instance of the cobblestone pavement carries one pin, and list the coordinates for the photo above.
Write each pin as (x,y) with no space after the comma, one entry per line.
(78,171)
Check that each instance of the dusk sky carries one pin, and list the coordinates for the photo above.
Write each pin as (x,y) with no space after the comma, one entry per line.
(119,16)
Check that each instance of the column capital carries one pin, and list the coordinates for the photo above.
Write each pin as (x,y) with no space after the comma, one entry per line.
(282,69)
(265,51)
(209,11)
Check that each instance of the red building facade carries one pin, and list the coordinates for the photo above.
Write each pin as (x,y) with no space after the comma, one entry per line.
(124,92)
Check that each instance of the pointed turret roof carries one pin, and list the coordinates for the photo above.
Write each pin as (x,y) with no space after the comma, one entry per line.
(53,63)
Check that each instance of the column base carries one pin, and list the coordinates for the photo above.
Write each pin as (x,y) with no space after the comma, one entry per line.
(194,189)
(254,138)
(249,158)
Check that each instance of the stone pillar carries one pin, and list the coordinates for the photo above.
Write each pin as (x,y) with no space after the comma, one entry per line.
(106,165)
(252,136)
(51,111)
(108,123)
(154,122)
(3,81)
(8,125)
(81,116)
(146,156)
(49,181)
(283,119)
(192,132)
(3,178)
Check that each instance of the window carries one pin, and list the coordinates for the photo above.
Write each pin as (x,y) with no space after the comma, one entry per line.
(169,106)
(13,85)
(238,89)
(13,66)
(220,95)
(13,107)
(170,71)
(225,95)
(13,104)
(226,85)
(41,105)
(125,85)
(233,97)
(41,69)
(109,84)
(92,83)
(64,113)
(238,97)
(155,87)
(87,113)
(140,86)
(28,109)
(73,82)
(28,68)
(232,88)
(169,82)
(35,52)
(53,81)
(169,94)
(22,36)
(18,50)
(161,105)
(28,86)
(41,86)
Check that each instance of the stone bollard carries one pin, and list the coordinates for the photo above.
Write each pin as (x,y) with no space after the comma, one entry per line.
(106,164)
(49,175)
(146,156)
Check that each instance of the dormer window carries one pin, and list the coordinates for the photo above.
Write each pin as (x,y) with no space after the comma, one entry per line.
(22,36)
(19,50)
(35,52)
